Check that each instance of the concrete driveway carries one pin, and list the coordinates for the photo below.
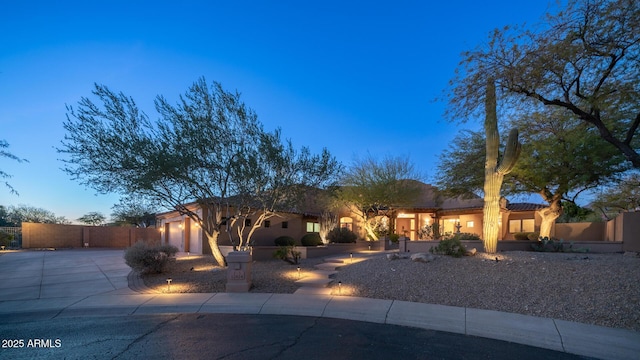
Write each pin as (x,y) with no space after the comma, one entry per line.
(52,280)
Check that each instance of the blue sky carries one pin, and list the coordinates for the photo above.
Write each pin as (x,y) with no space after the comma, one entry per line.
(351,76)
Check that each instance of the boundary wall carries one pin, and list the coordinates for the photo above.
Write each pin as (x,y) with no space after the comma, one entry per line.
(36,235)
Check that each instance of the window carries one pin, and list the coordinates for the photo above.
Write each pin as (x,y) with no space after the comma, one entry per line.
(313,227)
(521,225)
(528,225)
(470,224)
(247,222)
(285,224)
(267,223)
(346,222)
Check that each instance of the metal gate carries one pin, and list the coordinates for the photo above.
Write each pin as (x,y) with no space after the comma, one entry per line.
(17,235)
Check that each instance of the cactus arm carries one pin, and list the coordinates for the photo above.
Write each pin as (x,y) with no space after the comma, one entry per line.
(511,153)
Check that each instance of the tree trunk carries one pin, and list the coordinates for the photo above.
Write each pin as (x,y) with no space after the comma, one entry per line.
(549,216)
(212,238)
(368,228)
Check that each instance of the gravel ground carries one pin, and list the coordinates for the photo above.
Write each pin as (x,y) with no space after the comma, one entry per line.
(600,289)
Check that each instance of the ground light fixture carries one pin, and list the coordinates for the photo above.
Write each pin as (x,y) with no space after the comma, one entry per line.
(339,287)
(369,247)
(169,284)
(298,272)
(351,256)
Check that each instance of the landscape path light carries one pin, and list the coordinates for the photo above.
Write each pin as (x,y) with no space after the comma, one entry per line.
(298,272)
(339,287)
(351,256)
(169,285)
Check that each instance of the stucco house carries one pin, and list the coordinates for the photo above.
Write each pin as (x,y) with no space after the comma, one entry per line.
(456,214)
(452,214)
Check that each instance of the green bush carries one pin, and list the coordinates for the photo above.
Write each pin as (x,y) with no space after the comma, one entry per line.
(342,235)
(546,244)
(146,258)
(285,241)
(5,239)
(288,254)
(532,236)
(466,236)
(394,238)
(452,247)
(312,239)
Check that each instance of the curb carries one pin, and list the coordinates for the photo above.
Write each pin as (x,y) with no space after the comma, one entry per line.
(136,284)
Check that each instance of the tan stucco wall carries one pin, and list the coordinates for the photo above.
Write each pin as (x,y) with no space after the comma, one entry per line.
(36,235)
(631,231)
(580,231)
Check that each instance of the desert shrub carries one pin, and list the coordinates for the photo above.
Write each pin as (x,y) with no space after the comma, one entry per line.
(460,236)
(170,250)
(394,238)
(466,236)
(312,239)
(146,258)
(526,236)
(546,244)
(5,239)
(285,241)
(341,235)
(288,254)
(452,247)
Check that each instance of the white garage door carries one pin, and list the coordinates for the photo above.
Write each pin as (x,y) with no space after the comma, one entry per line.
(175,236)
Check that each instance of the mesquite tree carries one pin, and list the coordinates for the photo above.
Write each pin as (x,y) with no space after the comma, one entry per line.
(495,169)
(583,60)
(371,187)
(196,151)
(560,160)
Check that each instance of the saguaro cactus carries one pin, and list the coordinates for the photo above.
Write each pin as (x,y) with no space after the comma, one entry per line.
(494,172)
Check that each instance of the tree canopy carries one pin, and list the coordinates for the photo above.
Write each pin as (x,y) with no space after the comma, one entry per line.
(623,195)
(207,149)
(16,215)
(560,159)
(93,218)
(583,60)
(134,209)
(371,186)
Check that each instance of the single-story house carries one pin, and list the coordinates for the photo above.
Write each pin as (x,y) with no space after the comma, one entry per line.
(452,215)
(456,214)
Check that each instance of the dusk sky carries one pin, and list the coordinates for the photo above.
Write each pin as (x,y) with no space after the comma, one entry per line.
(355,77)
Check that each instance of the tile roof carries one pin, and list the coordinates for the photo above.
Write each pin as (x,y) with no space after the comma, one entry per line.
(525,206)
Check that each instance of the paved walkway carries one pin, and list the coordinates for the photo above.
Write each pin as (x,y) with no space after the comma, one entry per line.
(53,284)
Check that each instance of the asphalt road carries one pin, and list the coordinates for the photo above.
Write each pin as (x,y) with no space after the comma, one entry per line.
(226,336)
